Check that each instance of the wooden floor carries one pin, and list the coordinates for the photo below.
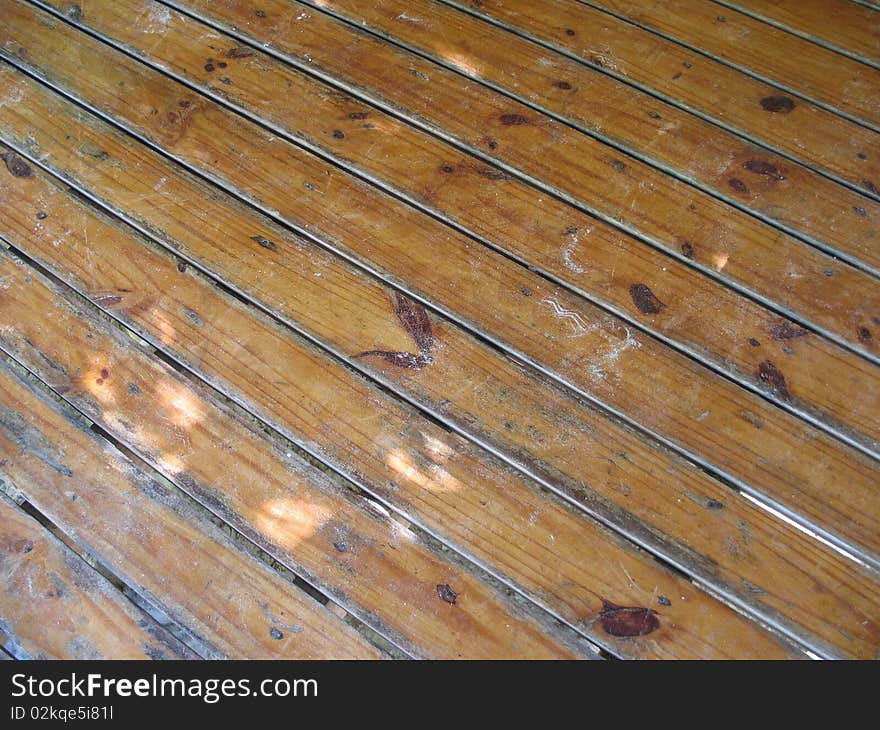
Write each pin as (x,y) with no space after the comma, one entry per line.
(440,328)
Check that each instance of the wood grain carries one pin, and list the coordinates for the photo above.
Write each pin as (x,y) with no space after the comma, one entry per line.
(845,25)
(533,318)
(767,184)
(137,527)
(54,606)
(517,539)
(806,132)
(715,535)
(586,254)
(841,83)
(690,225)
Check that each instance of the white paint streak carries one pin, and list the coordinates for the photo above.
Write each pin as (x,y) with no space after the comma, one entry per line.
(574,319)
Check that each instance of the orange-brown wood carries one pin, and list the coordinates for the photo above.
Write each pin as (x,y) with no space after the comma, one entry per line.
(785,458)
(115,511)
(840,82)
(799,129)
(334,542)
(588,255)
(841,23)
(749,552)
(767,184)
(54,606)
(722,241)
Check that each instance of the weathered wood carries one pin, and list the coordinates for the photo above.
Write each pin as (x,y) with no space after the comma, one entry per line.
(748,552)
(842,24)
(115,511)
(795,466)
(767,184)
(340,551)
(55,606)
(515,217)
(806,132)
(675,217)
(841,83)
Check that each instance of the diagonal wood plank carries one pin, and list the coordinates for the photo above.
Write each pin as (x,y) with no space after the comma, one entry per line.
(55,606)
(840,83)
(698,152)
(699,230)
(146,535)
(336,547)
(517,218)
(742,546)
(787,464)
(800,130)
(842,25)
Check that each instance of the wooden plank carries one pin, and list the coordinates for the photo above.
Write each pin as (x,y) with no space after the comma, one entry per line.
(515,217)
(55,606)
(406,595)
(841,24)
(415,454)
(790,195)
(699,230)
(786,458)
(366,562)
(804,131)
(840,83)
(145,534)
(493,385)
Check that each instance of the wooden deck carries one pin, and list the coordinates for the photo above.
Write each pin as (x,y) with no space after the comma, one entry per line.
(440,328)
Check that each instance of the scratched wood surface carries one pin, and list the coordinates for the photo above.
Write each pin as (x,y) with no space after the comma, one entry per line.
(842,24)
(407,464)
(696,151)
(53,605)
(759,111)
(514,217)
(836,81)
(551,416)
(605,181)
(708,417)
(43,216)
(137,527)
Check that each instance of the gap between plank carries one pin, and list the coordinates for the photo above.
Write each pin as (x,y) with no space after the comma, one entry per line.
(682,348)
(799,33)
(763,615)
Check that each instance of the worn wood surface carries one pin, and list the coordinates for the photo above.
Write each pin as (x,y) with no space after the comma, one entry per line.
(844,25)
(796,128)
(795,465)
(517,218)
(494,375)
(202,323)
(690,225)
(137,527)
(256,486)
(839,82)
(53,605)
(527,525)
(764,183)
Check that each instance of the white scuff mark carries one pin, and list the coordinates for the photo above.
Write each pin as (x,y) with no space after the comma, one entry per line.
(13,95)
(302,15)
(579,328)
(602,362)
(157,19)
(604,59)
(703,415)
(408,18)
(568,251)
(567,259)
